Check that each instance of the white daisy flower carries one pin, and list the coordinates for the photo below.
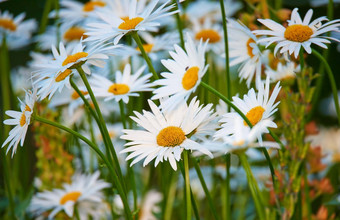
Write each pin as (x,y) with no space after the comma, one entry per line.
(203,9)
(70,36)
(53,75)
(76,13)
(167,133)
(114,27)
(21,120)
(299,33)
(150,205)
(237,135)
(156,44)
(186,71)
(209,31)
(125,84)
(244,50)
(283,71)
(84,192)
(258,108)
(18,33)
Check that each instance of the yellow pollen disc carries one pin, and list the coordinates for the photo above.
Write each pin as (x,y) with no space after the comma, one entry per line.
(8,24)
(90,6)
(254,115)
(23,119)
(147,47)
(170,137)
(298,33)
(27,109)
(238,143)
(119,89)
(130,24)
(249,48)
(190,78)
(208,34)
(74,33)
(71,196)
(63,75)
(75,95)
(74,57)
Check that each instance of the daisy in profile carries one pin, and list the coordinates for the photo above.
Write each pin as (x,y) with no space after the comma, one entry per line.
(77,13)
(125,84)
(283,71)
(84,193)
(244,50)
(70,36)
(299,33)
(236,135)
(166,133)
(260,107)
(113,27)
(156,46)
(18,32)
(21,120)
(186,71)
(53,75)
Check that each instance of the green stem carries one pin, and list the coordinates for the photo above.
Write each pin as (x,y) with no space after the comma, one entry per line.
(227,193)
(179,24)
(144,54)
(308,201)
(122,114)
(332,81)
(205,188)
(44,18)
(105,132)
(187,185)
(302,59)
(226,48)
(253,186)
(100,154)
(330,11)
(6,105)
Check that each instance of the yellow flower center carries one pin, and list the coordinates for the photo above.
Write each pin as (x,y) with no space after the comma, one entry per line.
(74,57)
(27,109)
(63,75)
(23,119)
(75,95)
(298,33)
(90,6)
(71,196)
(171,136)
(254,115)
(250,48)
(8,24)
(130,24)
(208,34)
(147,47)
(74,33)
(119,89)
(190,78)
(239,143)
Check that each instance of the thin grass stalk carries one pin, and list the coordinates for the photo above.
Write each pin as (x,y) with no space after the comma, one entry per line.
(105,132)
(187,185)
(179,23)
(332,81)
(170,198)
(205,188)
(253,186)
(226,48)
(145,55)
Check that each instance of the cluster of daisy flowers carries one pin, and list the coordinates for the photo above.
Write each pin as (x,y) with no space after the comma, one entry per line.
(95,64)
